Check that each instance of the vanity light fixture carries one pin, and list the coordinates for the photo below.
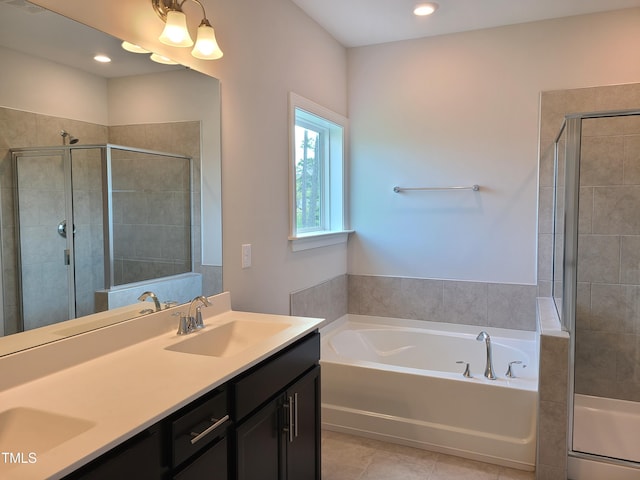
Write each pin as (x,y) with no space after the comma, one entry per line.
(176,33)
(425,9)
(162,59)
(133,48)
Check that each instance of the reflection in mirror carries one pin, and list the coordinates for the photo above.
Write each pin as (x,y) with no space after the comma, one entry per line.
(68,114)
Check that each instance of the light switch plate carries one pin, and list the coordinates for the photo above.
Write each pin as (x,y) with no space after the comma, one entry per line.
(246,255)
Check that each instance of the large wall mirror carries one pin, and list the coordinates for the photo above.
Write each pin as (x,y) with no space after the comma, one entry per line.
(123,149)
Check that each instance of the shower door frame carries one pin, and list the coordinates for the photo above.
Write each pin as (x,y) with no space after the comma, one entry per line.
(573,127)
(65,152)
(107,210)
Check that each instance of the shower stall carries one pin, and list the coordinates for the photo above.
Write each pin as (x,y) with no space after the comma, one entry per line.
(88,218)
(596,285)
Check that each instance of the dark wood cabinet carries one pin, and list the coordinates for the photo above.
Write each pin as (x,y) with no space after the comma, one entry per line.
(258,444)
(171,448)
(302,433)
(280,438)
(262,425)
(140,457)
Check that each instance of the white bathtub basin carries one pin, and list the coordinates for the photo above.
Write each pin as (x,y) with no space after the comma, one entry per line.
(398,380)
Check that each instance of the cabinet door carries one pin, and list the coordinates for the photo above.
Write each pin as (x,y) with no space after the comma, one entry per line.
(303,431)
(258,444)
(211,465)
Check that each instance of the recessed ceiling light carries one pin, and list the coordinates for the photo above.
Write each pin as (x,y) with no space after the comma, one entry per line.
(102,59)
(425,9)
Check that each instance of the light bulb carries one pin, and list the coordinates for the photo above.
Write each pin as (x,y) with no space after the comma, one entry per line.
(206,47)
(175,31)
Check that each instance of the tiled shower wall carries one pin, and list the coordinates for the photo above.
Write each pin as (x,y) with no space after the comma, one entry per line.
(470,303)
(151,201)
(182,138)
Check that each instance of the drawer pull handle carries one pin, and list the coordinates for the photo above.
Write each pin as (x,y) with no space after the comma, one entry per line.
(199,436)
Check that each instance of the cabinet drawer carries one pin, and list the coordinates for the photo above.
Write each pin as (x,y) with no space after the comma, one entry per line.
(274,374)
(139,457)
(198,426)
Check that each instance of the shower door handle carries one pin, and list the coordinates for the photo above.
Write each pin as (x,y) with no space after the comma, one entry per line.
(62,229)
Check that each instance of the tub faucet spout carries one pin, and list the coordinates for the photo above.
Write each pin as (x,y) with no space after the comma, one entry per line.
(488,371)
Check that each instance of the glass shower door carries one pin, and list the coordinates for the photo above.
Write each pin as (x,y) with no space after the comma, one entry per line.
(88,234)
(606,326)
(45,276)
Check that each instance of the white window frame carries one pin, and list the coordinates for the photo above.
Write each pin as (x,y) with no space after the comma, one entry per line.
(334,225)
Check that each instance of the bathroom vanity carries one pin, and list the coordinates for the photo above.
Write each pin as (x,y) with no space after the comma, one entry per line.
(238,399)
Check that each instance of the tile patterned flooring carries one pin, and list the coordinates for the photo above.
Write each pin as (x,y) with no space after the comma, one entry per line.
(346,457)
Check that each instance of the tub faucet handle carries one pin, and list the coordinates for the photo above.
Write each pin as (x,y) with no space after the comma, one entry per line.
(467,370)
(510,373)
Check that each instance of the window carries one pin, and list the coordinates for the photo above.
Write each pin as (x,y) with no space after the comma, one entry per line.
(317,178)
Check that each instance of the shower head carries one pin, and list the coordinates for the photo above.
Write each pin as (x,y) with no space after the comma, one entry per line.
(66,135)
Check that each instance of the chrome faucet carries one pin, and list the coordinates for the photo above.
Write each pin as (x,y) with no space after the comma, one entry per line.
(197,320)
(151,295)
(488,371)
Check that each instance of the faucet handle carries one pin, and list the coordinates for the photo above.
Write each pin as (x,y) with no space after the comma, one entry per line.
(198,322)
(510,373)
(467,370)
(185,324)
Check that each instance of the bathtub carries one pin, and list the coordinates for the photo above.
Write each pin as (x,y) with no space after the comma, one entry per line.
(398,380)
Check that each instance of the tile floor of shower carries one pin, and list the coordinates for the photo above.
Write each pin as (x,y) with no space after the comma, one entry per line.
(347,457)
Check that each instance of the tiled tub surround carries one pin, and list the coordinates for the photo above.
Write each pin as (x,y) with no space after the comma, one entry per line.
(469,303)
(328,300)
(399,380)
(25,129)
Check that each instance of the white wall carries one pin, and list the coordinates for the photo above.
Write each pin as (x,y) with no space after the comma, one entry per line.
(463,109)
(40,86)
(270,48)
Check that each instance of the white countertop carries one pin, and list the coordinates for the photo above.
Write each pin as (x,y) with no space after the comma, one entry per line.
(125,391)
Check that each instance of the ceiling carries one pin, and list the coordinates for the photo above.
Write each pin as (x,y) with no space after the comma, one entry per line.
(357,23)
(35,31)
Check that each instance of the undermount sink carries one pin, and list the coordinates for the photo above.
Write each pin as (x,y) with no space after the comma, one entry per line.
(30,430)
(228,339)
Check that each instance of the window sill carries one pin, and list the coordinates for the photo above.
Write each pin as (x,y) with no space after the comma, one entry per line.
(319,239)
